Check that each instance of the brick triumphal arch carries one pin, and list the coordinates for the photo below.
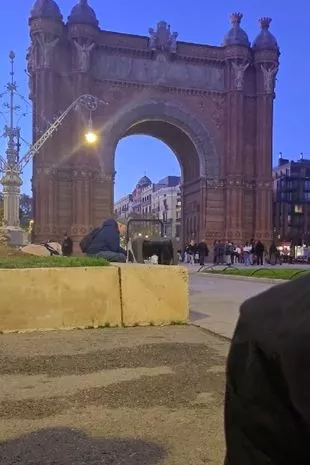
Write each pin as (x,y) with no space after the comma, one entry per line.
(211,105)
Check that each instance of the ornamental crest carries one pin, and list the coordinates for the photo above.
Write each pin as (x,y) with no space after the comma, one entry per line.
(162,40)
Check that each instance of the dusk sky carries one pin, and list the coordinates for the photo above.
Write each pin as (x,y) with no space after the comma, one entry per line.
(196,21)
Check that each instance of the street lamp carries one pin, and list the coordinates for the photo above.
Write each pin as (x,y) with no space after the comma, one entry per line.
(90,136)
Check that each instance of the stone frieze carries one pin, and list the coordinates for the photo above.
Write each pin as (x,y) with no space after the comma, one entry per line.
(159,70)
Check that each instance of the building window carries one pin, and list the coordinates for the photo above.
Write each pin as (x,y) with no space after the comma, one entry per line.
(298,209)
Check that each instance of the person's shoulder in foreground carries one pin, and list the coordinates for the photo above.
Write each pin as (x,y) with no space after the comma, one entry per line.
(278,310)
(267,403)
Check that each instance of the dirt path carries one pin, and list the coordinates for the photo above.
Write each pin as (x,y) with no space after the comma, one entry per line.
(139,396)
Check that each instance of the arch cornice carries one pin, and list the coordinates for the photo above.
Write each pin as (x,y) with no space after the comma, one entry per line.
(157,110)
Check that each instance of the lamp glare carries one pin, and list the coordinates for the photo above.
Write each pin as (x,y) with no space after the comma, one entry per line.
(91,137)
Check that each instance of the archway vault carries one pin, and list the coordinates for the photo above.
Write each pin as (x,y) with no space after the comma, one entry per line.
(173,125)
(185,136)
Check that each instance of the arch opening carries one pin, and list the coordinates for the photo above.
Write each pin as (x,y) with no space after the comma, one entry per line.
(172,124)
(178,142)
(147,183)
(188,139)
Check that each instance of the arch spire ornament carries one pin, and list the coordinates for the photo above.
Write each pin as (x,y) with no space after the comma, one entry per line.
(83,13)
(162,39)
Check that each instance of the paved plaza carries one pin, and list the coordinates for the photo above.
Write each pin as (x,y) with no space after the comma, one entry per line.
(122,396)
(215,302)
(138,396)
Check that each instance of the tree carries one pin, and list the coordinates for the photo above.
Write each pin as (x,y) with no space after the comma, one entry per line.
(25,210)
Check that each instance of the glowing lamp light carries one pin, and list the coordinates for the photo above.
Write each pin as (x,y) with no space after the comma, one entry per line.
(91,137)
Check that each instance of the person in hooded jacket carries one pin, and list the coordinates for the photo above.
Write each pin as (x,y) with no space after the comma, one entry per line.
(67,246)
(203,252)
(267,403)
(106,243)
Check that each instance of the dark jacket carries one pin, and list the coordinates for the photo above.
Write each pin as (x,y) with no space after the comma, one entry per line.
(229,249)
(107,239)
(259,248)
(273,250)
(202,249)
(192,249)
(220,249)
(267,406)
(67,246)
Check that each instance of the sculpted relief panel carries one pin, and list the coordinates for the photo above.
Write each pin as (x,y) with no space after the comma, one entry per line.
(159,70)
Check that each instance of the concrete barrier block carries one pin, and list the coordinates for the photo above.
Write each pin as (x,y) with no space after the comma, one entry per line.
(154,294)
(59,298)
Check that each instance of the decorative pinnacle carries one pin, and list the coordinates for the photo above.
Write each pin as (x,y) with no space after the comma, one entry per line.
(265,22)
(83,2)
(12,55)
(235,18)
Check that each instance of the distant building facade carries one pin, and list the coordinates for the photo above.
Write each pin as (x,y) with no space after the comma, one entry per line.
(166,205)
(160,200)
(122,206)
(291,200)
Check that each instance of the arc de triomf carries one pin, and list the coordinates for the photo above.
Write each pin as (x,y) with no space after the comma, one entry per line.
(213,106)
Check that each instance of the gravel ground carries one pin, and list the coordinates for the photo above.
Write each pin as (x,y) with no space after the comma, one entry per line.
(138,396)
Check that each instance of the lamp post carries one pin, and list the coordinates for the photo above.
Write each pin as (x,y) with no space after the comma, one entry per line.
(12,166)
(11,179)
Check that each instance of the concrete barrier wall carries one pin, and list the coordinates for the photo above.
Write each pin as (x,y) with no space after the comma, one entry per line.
(55,298)
(154,294)
(66,298)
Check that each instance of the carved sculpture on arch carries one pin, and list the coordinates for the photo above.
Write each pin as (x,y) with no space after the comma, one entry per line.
(239,69)
(269,77)
(46,43)
(83,52)
(162,39)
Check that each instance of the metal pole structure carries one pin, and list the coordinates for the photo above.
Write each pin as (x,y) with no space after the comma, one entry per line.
(11,179)
(87,101)
(12,166)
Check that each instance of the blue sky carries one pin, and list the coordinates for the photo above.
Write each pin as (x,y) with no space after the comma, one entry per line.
(198,21)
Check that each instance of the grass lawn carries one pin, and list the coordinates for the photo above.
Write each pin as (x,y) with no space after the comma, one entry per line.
(273,273)
(12,258)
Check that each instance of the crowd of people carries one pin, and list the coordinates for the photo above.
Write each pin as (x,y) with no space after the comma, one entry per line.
(227,253)
(195,253)
(105,241)
(249,253)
